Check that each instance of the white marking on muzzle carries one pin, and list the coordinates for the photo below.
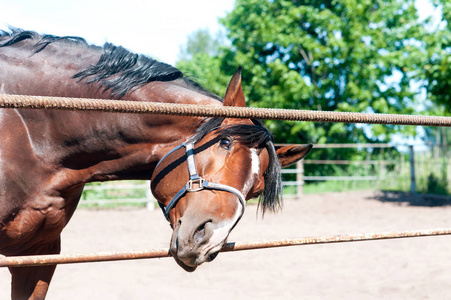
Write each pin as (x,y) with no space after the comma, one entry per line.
(223,229)
(221,232)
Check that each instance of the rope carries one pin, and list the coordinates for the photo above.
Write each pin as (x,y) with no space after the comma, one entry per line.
(121,106)
(44,260)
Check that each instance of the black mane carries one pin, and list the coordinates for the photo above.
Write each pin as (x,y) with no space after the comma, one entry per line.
(118,70)
(17,35)
(121,71)
(253,136)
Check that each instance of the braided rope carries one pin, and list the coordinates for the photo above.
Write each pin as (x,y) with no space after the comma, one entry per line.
(44,260)
(120,106)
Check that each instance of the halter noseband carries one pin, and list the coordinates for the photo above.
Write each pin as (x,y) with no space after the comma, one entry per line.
(195,182)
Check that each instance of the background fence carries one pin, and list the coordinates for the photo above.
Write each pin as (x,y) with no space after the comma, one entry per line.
(417,169)
(118,193)
(414,169)
(371,170)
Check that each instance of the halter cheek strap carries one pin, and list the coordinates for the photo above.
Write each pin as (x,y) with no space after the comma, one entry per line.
(195,182)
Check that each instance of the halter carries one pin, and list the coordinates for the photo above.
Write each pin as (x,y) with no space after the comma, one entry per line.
(195,182)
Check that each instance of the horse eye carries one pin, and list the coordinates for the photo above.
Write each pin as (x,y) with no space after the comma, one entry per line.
(255,195)
(225,143)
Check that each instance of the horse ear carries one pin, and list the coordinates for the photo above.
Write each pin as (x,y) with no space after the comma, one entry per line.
(234,95)
(290,154)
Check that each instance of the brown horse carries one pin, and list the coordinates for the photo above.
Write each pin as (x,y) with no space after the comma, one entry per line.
(211,168)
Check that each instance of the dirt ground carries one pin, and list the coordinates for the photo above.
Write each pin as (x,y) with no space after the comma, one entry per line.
(417,268)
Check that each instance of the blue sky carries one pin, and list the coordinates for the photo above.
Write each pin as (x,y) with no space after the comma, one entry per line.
(152,27)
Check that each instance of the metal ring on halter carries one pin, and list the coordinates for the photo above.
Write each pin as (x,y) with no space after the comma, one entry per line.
(195,182)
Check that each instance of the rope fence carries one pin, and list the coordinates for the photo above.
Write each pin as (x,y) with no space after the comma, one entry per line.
(44,260)
(121,106)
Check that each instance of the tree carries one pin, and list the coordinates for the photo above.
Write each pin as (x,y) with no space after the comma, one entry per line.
(337,55)
(437,76)
(201,59)
(201,42)
(438,68)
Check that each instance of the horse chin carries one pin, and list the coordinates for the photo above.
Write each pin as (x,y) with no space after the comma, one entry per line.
(190,261)
(184,266)
(192,267)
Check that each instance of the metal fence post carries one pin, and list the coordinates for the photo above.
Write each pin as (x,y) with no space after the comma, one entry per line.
(300,178)
(413,185)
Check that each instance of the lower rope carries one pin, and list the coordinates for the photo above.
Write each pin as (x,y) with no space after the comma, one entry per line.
(44,260)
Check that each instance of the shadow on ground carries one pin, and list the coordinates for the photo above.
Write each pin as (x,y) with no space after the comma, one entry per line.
(412,199)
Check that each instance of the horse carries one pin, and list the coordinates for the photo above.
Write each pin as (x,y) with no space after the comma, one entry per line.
(202,170)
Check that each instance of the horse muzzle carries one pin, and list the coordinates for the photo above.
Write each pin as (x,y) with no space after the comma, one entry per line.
(191,246)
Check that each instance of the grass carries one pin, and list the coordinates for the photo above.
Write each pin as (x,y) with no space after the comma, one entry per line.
(112,205)
(332,186)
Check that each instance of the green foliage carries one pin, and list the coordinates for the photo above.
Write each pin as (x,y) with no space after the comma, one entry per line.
(337,55)
(438,67)
(119,190)
(201,60)
(437,182)
(200,42)
(342,55)
(204,69)
(436,185)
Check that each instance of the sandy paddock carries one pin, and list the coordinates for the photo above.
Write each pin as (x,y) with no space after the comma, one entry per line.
(418,268)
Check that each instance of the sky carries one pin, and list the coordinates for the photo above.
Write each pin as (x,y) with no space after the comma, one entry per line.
(157,28)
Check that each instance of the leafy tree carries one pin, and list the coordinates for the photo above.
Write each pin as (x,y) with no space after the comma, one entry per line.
(205,69)
(200,41)
(200,59)
(337,55)
(438,68)
(436,77)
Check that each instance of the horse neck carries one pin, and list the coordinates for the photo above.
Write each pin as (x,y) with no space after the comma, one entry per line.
(47,73)
(99,146)
(109,146)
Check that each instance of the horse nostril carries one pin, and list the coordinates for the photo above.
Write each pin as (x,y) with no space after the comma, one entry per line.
(212,256)
(199,234)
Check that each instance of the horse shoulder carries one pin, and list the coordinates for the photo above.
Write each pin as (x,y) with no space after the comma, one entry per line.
(36,201)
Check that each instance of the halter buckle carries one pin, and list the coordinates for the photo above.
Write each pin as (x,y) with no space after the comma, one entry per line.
(193,182)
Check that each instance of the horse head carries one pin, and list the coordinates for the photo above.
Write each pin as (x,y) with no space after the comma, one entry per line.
(203,184)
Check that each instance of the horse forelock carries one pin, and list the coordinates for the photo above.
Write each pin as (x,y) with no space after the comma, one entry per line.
(258,136)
